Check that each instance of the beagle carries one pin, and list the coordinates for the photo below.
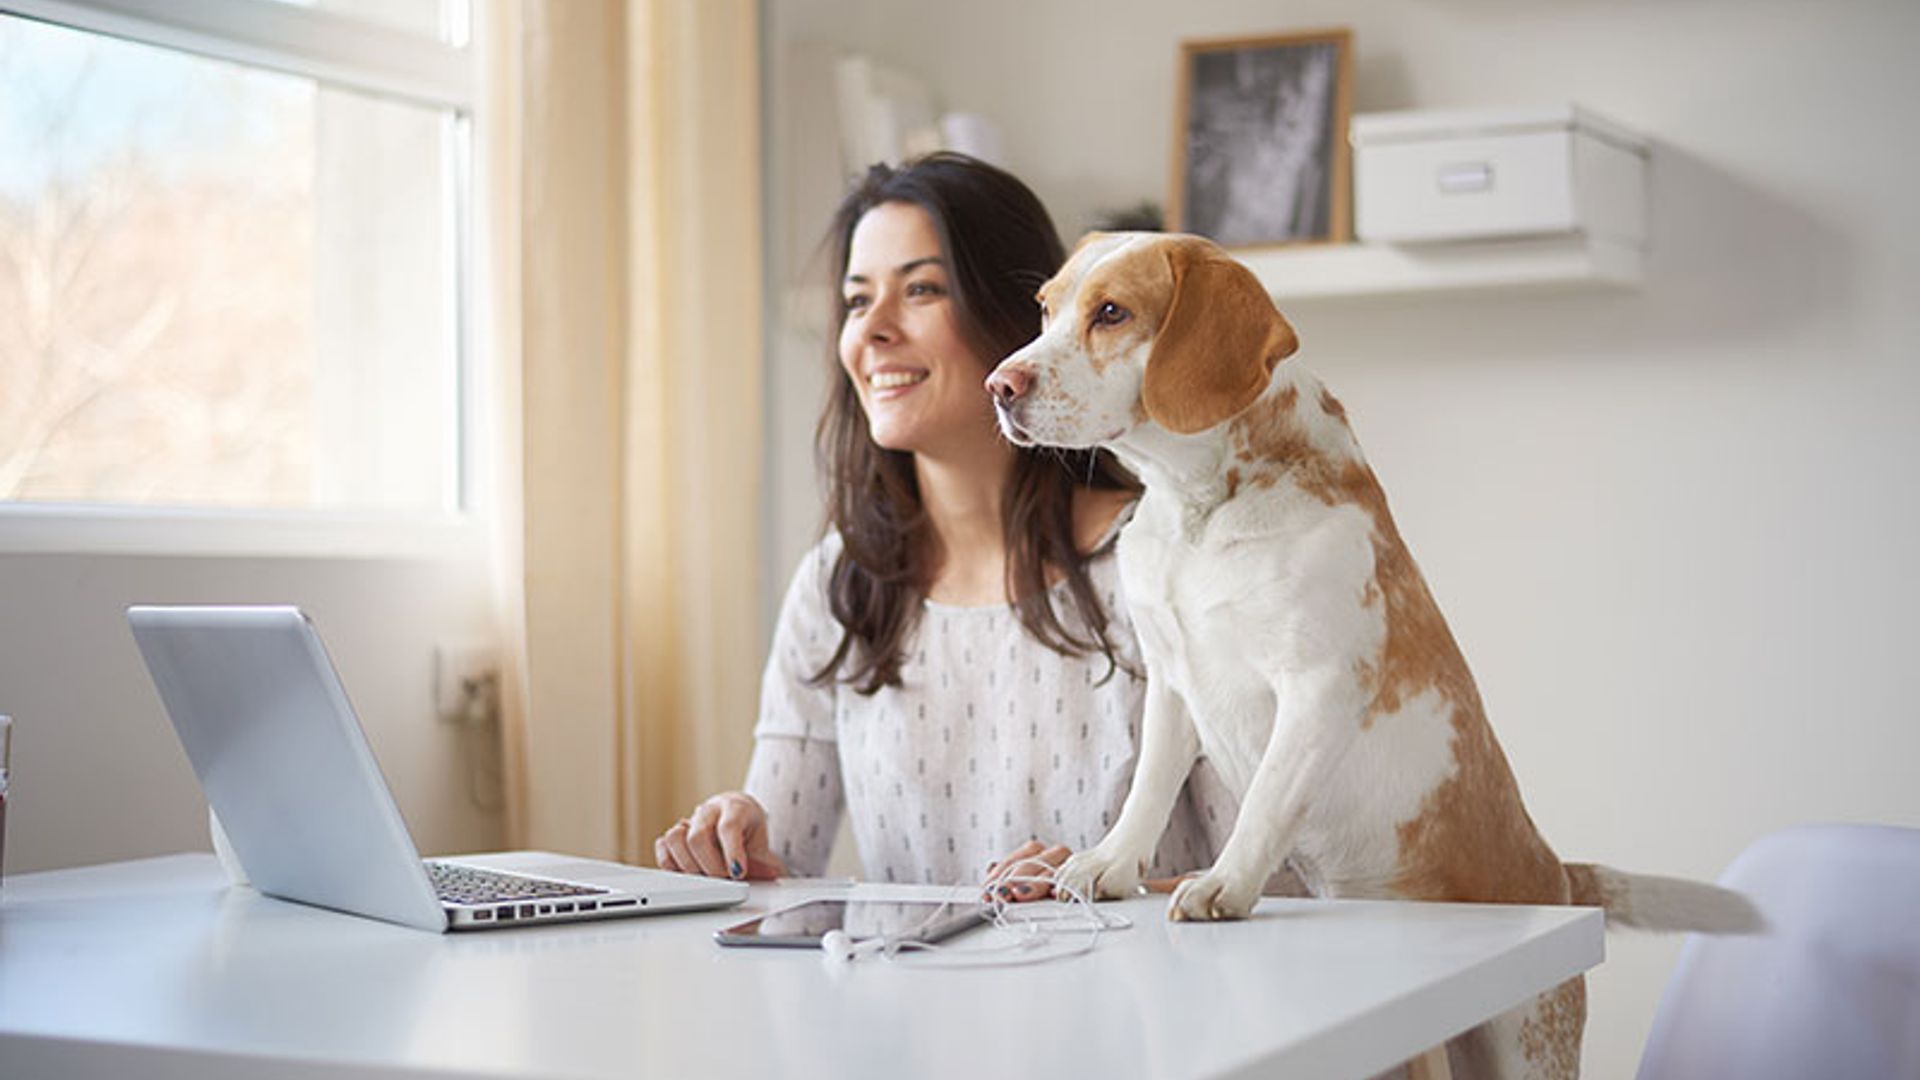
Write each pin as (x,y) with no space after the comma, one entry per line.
(1287,633)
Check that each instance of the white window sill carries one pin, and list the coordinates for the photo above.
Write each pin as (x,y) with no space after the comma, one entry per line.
(57,529)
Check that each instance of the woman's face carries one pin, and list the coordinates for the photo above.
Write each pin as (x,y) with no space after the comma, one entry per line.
(919,381)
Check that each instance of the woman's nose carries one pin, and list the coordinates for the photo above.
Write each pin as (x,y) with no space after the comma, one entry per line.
(882,319)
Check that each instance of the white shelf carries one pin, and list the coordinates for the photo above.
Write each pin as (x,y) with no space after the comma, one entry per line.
(1572,260)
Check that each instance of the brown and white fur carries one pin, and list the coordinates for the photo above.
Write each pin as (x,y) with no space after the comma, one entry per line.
(1287,634)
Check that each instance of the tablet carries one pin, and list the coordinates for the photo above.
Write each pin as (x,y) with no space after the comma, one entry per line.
(803,925)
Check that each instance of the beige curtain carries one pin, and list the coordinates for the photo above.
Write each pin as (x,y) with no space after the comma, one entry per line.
(622,171)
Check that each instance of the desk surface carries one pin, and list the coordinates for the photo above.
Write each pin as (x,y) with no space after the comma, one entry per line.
(157,968)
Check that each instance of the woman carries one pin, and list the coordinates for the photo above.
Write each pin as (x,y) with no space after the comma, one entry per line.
(952,663)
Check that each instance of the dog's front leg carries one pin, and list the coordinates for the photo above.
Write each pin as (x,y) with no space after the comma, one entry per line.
(1168,748)
(1315,724)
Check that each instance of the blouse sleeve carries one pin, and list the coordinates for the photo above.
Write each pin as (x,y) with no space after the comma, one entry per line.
(803,641)
(798,781)
(795,770)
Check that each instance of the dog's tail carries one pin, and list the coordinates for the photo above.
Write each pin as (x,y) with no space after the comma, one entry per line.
(1648,902)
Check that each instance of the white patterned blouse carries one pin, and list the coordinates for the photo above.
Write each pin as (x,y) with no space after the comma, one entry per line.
(990,740)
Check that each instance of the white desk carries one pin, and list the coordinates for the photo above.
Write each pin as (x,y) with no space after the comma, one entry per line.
(156,969)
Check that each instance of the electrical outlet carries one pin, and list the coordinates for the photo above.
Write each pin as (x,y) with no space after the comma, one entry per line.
(466,682)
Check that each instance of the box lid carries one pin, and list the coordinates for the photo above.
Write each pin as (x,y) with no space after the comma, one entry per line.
(1410,125)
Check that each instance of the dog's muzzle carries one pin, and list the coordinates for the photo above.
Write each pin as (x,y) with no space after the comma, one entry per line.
(1010,427)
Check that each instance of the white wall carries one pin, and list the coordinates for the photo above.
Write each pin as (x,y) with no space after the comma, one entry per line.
(1672,528)
(98,773)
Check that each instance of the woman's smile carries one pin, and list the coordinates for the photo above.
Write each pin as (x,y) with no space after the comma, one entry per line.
(888,383)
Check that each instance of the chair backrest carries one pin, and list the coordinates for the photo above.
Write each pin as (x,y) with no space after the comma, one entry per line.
(1832,988)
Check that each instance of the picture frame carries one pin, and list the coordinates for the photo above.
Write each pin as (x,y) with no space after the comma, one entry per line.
(1260,155)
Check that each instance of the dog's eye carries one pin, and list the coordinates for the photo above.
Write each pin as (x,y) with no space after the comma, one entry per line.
(1110,314)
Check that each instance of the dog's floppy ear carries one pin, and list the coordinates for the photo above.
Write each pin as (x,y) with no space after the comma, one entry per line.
(1218,344)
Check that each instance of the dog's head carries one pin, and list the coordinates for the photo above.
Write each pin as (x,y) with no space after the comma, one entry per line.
(1141,328)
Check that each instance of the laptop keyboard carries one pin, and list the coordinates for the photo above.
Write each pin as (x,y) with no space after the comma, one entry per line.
(472,885)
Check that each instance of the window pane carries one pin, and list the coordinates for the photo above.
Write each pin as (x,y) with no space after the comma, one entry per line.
(219,285)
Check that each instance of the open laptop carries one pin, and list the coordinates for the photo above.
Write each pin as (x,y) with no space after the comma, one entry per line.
(287,769)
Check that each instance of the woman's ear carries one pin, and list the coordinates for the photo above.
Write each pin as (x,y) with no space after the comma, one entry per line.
(1218,344)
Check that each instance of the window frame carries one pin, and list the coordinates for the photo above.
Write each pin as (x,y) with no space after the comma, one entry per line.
(350,54)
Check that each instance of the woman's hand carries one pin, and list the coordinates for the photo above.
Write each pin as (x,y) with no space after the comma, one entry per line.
(1034,859)
(1011,877)
(726,836)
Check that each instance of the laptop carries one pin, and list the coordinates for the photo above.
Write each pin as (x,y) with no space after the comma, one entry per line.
(286,767)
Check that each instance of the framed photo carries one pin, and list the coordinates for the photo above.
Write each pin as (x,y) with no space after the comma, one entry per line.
(1260,145)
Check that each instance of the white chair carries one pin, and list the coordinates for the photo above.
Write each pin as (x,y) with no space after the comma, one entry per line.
(1831,991)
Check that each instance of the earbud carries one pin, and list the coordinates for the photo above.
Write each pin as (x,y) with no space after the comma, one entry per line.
(839,948)
(1041,934)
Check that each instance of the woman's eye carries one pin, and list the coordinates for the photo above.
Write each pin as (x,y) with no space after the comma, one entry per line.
(1110,314)
(854,303)
(924,288)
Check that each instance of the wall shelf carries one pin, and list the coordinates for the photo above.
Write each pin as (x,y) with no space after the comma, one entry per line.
(1565,261)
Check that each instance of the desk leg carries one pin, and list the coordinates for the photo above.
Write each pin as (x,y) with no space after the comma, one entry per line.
(1431,1065)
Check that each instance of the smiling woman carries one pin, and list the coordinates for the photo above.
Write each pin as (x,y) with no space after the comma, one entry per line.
(953,666)
(940,262)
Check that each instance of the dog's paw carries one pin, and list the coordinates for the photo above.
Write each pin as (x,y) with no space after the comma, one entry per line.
(1101,875)
(1212,897)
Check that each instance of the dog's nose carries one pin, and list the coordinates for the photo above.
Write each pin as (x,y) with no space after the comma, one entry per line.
(1007,384)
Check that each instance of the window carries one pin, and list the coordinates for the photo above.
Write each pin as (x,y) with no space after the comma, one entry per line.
(233,255)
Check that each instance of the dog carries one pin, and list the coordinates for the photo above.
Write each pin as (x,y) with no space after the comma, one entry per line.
(1286,632)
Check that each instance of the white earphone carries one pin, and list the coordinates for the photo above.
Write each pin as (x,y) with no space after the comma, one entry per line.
(839,948)
(1036,931)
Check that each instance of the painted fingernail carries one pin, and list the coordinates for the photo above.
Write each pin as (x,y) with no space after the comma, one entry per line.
(734,868)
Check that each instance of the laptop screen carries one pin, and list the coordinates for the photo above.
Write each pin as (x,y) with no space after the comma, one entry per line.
(282,759)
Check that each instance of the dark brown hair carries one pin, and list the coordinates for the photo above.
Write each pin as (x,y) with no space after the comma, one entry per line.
(1000,246)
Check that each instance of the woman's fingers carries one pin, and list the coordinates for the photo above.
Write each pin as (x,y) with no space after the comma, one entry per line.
(742,830)
(725,836)
(1051,859)
(1011,863)
(1166,884)
(1012,878)
(703,839)
(679,856)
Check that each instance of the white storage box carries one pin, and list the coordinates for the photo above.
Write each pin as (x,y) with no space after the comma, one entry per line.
(1497,173)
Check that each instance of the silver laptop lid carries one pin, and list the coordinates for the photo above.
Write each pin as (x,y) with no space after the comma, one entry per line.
(284,763)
